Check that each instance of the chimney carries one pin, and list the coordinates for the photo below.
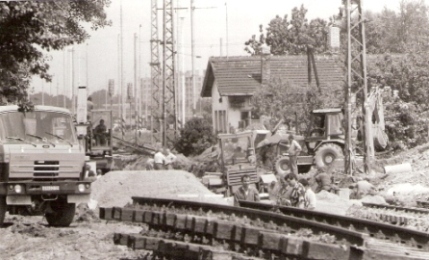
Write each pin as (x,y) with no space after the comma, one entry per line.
(265,65)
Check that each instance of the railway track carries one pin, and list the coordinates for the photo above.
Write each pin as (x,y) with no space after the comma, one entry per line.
(421,210)
(383,231)
(194,230)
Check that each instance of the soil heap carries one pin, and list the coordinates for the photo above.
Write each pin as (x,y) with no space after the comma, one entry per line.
(116,188)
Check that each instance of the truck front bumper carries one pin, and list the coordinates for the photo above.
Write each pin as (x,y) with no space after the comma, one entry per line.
(22,188)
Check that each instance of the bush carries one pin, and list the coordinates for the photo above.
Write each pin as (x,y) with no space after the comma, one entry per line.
(195,137)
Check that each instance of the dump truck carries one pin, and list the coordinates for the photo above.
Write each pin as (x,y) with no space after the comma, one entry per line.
(41,164)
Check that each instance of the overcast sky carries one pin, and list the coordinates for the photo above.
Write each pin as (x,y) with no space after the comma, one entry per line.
(233,21)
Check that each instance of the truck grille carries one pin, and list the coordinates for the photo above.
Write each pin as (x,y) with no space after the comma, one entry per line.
(46,168)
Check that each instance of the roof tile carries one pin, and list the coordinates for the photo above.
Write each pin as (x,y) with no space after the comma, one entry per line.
(242,75)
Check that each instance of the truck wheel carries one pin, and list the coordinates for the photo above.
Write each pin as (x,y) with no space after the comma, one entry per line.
(62,215)
(327,154)
(3,207)
(281,165)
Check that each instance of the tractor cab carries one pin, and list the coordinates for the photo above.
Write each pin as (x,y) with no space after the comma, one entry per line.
(326,126)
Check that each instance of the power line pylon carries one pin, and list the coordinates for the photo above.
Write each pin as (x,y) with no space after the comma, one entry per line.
(357,75)
(155,74)
(168,69)
(163,104)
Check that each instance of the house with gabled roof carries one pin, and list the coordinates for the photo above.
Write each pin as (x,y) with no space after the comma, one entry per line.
(232,81)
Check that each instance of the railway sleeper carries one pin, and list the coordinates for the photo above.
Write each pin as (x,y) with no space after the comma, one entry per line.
(293,248)
(374,228)
(211,221)
(238,230)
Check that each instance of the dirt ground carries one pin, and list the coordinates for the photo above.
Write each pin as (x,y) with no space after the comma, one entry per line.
(91,238)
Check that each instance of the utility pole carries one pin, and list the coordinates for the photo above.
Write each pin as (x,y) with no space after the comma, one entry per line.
(122,79)
(73,108)
(136,99)
(165,103)
(194,106)
(356,68)
(182,72)
(65,71)
(43,93)
(87,68)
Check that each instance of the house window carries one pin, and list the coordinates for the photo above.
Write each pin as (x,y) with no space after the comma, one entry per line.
(220,121)
(223,120)
(245,119)
(237,102)
(216,121)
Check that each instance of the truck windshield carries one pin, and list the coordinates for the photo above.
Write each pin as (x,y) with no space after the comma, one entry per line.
(237,150)
(38,126)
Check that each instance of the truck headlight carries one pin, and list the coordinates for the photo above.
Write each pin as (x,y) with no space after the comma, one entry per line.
(81,187)
(17,188)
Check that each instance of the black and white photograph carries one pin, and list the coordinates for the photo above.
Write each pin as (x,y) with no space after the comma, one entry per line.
(214,129)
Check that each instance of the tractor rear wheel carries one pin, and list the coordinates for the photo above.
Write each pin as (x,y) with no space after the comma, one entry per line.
(281,165)
(327,154)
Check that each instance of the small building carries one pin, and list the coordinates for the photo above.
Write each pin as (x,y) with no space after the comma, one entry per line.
(232,81)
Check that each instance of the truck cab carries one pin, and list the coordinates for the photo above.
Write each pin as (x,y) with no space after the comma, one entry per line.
(41,164)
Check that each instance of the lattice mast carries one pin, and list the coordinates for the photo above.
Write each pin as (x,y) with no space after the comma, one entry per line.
(357,74)
(168,68)
(155,74)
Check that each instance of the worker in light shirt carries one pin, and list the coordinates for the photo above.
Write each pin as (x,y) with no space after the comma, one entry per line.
(170,158)
(294,150)
(159,160)
(309,195)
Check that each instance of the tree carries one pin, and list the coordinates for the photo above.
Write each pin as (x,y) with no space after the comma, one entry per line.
(27,28)
(195,137)
(291,37)
(282,100)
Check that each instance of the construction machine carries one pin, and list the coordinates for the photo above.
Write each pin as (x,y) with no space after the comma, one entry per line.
(325,142)
(236,158)
(99,145)
(95,126)
(41,164)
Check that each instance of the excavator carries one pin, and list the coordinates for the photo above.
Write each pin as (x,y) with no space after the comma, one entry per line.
(324,145)
(325,142)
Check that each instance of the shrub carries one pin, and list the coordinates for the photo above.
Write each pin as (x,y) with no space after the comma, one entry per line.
(195,137)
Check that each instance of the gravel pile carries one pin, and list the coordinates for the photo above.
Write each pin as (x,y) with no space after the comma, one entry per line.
(116,188)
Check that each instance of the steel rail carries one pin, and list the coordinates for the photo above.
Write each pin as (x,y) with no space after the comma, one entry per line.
(397,234)
(397,208)
(295,223)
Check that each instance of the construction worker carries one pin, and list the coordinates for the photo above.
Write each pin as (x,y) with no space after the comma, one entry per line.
(100,133)
(309,195)
(170,159)
(324,182)
(294,150)
(245,192)
(298,191)
(159,160)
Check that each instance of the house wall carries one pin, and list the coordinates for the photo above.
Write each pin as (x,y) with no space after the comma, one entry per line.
(225,116)
(220,116)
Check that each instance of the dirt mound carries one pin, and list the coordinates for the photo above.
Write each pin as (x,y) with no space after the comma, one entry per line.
(116,188)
